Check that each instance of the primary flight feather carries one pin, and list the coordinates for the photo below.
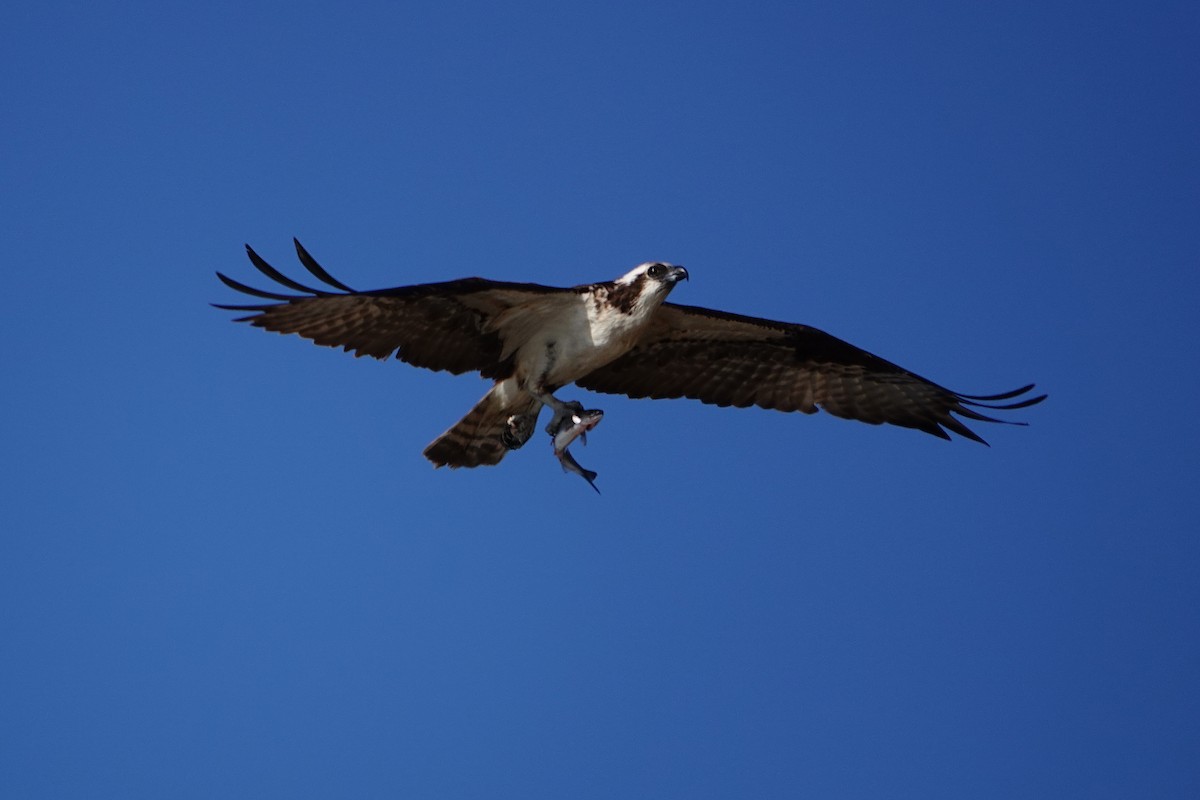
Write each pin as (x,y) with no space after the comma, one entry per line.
(617,337)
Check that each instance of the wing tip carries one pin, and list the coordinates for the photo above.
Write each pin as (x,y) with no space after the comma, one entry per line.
(964,405)
(278,277)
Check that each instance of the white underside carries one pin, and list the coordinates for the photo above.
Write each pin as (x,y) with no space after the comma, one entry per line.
(557,343)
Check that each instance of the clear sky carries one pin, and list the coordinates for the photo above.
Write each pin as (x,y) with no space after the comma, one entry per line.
(227,571)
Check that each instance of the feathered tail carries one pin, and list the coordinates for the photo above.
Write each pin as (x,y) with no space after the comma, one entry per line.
(479,438)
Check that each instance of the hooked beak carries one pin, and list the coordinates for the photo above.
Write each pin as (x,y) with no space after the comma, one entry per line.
(678,274)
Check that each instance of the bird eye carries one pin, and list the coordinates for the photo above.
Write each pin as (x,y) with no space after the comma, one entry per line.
(656,270)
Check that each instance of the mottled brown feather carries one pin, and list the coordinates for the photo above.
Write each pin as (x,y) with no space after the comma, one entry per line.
(733,360)
(439,326)
(477,439)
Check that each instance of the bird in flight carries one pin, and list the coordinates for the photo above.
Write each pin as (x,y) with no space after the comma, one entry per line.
(615,337)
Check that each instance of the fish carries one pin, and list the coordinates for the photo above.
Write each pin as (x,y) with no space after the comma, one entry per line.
(575,427)
(569,464)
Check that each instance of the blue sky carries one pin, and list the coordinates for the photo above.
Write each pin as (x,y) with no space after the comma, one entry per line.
(226,570)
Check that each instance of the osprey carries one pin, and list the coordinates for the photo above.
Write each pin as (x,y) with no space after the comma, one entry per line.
(617,337)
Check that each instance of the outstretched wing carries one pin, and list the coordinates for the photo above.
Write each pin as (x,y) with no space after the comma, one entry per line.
(732,360)
(440,326)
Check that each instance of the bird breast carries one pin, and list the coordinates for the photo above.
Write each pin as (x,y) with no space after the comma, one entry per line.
(561,342)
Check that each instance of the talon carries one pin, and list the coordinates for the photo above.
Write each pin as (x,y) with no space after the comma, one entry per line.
(518,430)
(563,412)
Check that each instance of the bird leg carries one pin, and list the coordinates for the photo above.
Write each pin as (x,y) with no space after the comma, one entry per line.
(563,411)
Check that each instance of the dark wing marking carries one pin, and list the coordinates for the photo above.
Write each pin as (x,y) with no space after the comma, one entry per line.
(441,326)
(733,360)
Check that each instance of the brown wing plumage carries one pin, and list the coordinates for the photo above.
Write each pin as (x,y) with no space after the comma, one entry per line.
(440,326)
(733,360)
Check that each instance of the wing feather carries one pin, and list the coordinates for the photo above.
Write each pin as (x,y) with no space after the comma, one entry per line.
(439,326)
(733,360)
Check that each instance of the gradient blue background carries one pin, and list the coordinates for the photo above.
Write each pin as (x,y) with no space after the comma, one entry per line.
(227,571)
